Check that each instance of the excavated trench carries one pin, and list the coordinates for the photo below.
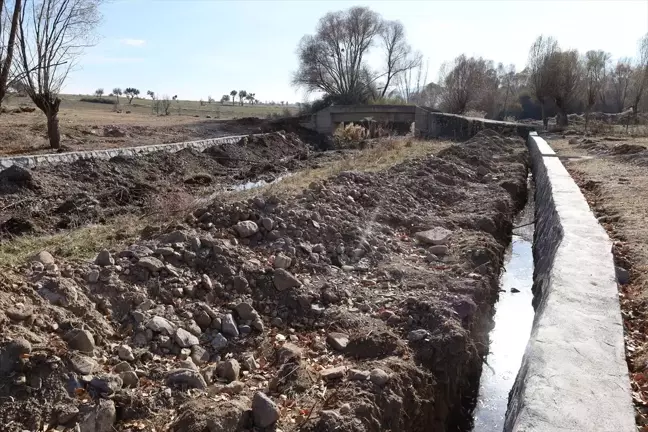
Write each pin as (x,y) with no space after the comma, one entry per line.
(513,319)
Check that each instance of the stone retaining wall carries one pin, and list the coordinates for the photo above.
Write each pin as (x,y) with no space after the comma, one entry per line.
(574,375)
(54,158)
(430,124)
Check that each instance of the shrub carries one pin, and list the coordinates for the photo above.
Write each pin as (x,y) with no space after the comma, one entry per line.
(350,133)
(100,100)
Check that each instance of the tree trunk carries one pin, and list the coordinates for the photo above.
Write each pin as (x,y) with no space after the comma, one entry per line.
(544,117)
(564,120)
(587,116)
(53,132)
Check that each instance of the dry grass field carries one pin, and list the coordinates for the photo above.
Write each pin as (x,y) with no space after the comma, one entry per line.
(90,126)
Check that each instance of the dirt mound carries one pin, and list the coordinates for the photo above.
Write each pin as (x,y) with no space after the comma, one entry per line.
(89,191)
(624,149)
(362,304)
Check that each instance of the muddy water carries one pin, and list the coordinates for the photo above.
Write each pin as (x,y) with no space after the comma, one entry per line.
(513,319)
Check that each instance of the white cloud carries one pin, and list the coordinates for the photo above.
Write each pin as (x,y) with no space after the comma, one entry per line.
(133,42)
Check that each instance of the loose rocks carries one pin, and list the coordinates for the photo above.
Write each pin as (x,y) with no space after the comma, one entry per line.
(246,228)
(283,280)
(264,410)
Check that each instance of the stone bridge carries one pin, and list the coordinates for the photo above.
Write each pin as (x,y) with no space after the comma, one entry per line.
(428,123)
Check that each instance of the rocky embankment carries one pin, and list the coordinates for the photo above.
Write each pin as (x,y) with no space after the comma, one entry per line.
(362,304)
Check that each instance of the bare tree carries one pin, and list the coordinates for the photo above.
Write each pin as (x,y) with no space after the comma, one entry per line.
(639,80)
(51,38)
(7,41)
(594,64)
(117,92)
(411,83)
(333,60)
(620,83)
(540,70)
(463,80)
(506,77)
(566,81)
(398,53)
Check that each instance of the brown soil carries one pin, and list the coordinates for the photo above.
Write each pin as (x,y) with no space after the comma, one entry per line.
(615,184)
(50,198)
(415,322)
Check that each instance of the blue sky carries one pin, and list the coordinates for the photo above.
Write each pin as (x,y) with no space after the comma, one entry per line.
(200,48)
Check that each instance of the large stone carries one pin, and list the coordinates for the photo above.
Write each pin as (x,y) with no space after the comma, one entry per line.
(333,373)
(288,352)
(219,342)
(104,258)
(174,237)
(151,264)
(82,365)
(99,419)
(185,339)
(358,375)
(44,258)
(622,275)
(203,319)
(228,326)
(229,370)
(246,228)
(338,341)
(284,280)
(125,352)
(267,223)
(282,261)
(129,378)
(439,250)
(199,355)
(80,340)
(186,378)
(160,325)
(106,384)
(264,410)
(12,353)
(246,311)
(434,236)
(379,377)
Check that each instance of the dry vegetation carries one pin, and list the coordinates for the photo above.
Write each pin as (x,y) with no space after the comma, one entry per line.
(91,126)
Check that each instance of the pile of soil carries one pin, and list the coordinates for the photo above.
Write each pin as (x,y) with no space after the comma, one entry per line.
(48,198)
(362,304)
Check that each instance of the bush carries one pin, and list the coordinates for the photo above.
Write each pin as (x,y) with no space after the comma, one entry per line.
(100,100)
(350,133)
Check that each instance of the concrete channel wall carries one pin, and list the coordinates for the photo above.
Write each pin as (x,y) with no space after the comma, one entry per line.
(55,158)
(574,375)
(430,124)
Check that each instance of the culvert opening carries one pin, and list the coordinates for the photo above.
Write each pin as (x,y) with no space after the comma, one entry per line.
(513,320)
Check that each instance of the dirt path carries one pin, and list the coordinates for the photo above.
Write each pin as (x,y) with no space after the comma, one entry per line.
(613,176)
(321,310)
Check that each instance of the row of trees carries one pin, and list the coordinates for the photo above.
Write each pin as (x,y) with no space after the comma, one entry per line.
(243,96)
(40,41)
(334,61)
